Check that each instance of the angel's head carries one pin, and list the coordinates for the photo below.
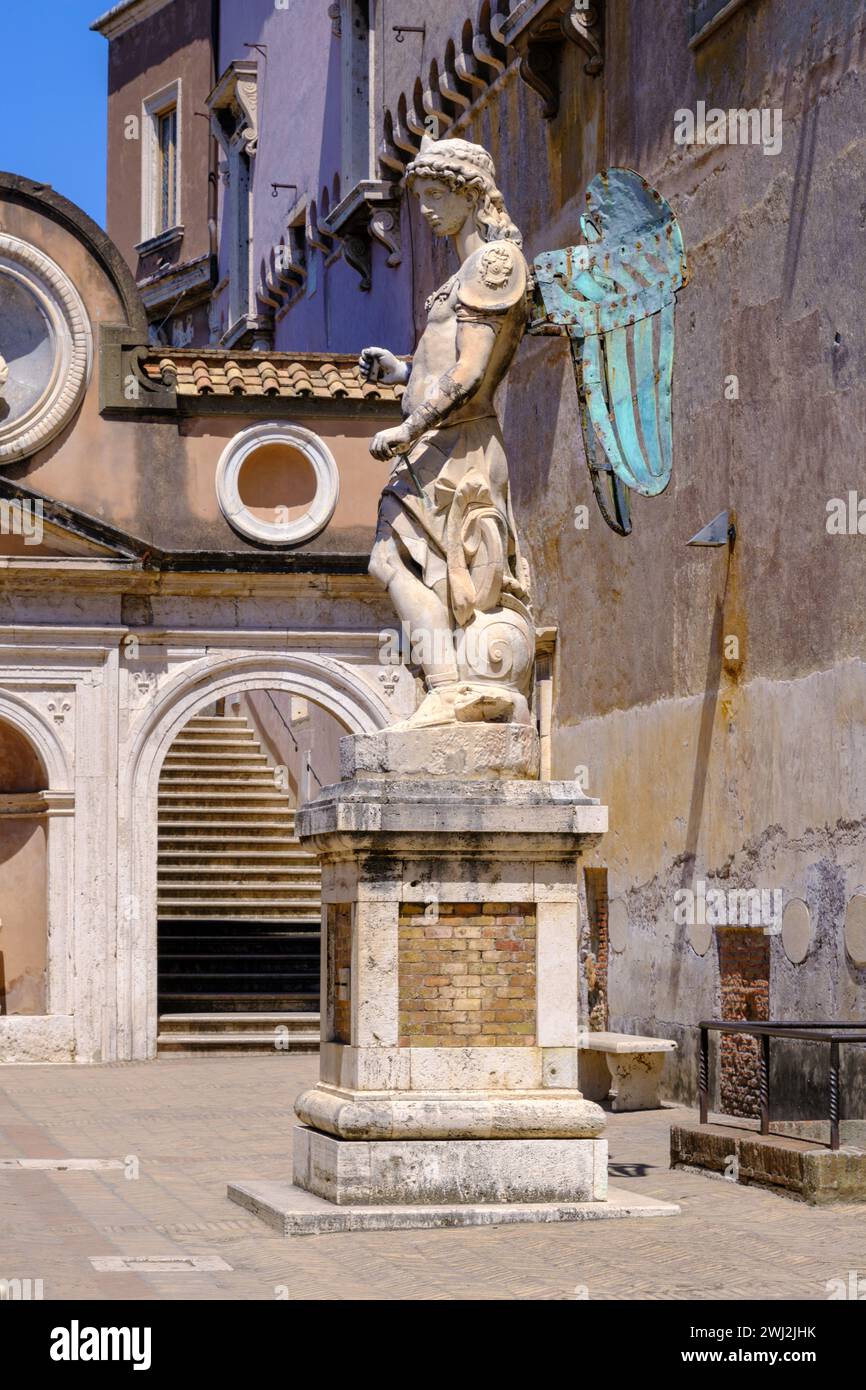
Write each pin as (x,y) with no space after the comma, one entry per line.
(455,180)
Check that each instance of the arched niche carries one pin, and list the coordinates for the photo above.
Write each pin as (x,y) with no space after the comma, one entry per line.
(23,875)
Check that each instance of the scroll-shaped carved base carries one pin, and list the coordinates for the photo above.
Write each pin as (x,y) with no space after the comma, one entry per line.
(356,249)
(539,68)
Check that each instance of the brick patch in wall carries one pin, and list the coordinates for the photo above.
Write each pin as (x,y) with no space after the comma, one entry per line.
(596,959)
(467,979)
(744,971)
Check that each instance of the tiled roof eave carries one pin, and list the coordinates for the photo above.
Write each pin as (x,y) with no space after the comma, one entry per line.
(325,381)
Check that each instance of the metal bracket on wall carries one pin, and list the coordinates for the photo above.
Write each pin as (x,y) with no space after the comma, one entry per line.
(720,531)
(401,30)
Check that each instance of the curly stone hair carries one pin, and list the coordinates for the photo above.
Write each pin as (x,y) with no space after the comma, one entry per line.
(464,166)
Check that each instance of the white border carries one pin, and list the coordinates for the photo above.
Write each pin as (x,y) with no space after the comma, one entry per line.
(321,509)
(72,338)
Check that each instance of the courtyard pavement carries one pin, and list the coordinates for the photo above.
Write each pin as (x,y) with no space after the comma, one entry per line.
(188,1126)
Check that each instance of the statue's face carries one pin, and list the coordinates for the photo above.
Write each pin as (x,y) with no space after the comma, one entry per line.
(444,210)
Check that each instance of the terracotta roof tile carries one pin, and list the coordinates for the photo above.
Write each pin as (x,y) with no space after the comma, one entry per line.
(209,372)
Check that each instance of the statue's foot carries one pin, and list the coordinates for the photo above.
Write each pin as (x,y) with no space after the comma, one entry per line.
(490,704)
(437,707)
(468,704)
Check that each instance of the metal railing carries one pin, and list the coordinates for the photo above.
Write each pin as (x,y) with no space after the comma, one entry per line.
(814,1030)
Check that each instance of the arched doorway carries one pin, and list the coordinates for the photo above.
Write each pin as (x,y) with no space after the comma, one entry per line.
(326,681)
(23,876)
(238,895)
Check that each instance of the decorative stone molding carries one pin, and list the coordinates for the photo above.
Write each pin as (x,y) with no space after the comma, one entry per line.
(47,343)
(370,210)
(537,29)
(321,509)
(234,102)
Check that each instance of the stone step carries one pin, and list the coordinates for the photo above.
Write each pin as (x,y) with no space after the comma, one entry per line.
(247,823)
(175,966)
(203,740)
(244,817)
(250,825)
(196,774)
(270,1001)
(261,897)
(233,1044)
(198,758)
(271,889)
(259,912)
(256,887)
(213,1023)
(270,800)
(289,857)
(270,983)
(219,721)
(305,931)
(202,906)
(232,783)
(291,872)
(254,946)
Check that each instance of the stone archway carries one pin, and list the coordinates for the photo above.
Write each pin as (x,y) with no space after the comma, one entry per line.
(45,795)
(327,682)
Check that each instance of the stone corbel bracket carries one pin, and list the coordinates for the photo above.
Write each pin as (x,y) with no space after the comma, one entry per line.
(123,385)
(537,30)
(233,105)
(371,209)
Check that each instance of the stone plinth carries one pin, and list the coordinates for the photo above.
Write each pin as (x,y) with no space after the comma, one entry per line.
(797,1168)
(450,937)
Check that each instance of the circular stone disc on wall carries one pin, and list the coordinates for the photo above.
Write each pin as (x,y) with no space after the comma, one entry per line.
(700,937)
(855,929)
(796,931)
(617,925)
(46,349)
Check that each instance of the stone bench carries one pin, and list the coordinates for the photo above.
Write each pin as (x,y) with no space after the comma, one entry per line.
(632,1064)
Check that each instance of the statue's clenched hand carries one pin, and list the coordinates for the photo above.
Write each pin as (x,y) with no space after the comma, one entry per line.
(387,443)
(378,364)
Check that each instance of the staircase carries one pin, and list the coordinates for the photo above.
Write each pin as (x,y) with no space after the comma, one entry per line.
(238,900)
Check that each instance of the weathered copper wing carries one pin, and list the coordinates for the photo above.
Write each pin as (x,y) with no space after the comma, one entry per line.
(615,298)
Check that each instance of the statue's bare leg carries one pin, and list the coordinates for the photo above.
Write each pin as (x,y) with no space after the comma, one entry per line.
(426,615)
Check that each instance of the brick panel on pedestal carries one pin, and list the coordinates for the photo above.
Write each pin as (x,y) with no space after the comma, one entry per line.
(340,969)
(467,975)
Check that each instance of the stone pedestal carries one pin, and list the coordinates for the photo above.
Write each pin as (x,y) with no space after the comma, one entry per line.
(450,917)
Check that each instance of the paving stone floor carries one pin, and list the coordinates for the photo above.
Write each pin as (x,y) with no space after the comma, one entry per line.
(194,1124)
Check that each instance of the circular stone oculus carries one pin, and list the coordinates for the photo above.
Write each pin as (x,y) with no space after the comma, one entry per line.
(277,484)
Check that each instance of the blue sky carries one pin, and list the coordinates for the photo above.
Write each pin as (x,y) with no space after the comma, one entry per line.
(53,97)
